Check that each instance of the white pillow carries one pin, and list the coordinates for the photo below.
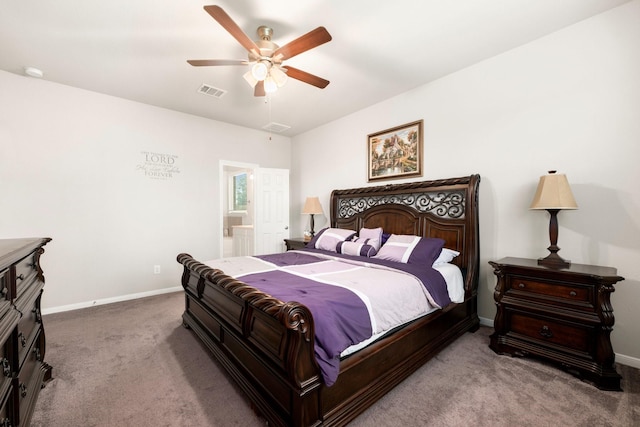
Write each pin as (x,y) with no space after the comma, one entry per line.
(330,237)
(446,256)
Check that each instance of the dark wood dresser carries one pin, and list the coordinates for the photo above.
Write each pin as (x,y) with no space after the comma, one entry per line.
(563,315)
(21,333)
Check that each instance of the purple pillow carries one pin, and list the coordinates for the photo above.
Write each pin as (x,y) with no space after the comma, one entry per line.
(411,249)
(312,242)
(355,248)
(385,237)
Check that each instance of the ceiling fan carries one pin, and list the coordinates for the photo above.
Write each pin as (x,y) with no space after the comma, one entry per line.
(268,71)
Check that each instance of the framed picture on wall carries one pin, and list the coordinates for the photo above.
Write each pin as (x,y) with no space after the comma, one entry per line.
(396,152)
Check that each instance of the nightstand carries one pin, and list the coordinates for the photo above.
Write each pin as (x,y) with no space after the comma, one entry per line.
(562,315)
(295,243)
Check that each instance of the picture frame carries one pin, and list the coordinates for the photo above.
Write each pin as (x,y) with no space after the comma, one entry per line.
(395,153)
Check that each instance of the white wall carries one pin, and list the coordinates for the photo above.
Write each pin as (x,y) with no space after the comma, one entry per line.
(570,102)
(70,169)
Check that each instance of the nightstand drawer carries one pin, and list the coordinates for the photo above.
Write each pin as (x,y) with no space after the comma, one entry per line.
(551,331)
(550,292)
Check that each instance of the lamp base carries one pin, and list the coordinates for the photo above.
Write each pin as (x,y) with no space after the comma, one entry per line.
(553,260)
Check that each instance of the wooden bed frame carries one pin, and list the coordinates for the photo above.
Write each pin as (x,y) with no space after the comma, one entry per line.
(266,345)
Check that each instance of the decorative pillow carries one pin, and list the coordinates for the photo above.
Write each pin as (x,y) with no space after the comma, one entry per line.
(411,249)
(446,255)
(371,236)
(328,238)
(355,248)
(385,237)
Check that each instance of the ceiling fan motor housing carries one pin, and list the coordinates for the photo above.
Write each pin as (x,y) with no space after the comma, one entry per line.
(266,46)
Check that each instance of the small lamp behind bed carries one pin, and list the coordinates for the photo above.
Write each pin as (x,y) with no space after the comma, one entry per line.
(312,207)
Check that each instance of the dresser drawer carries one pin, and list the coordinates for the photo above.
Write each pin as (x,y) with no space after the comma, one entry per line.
(551,331)
(6,372)
(556,293)
(25,274)
(29,380)
(28,327)
(4,284)
(6,407)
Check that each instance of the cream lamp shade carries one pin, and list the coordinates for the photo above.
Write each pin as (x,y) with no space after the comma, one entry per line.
(312,207)
(553,194)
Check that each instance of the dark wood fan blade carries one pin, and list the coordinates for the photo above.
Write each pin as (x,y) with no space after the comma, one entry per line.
(305,77)
(303,43)
(229,24)
(214,62)
(258,90)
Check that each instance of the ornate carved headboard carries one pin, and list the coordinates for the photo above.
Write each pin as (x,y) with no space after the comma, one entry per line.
(445,208)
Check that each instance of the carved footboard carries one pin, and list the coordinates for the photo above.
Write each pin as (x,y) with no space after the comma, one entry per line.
(264,343)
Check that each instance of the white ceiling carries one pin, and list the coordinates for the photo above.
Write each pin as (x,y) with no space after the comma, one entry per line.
(138,49)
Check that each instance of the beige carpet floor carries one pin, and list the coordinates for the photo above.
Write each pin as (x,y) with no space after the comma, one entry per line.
(133,364)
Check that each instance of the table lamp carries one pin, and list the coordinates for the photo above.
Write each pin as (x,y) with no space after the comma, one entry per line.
(553,194)
(312,207)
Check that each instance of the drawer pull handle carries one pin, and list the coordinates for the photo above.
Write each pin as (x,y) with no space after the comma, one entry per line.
(521,285)
(6,368)
(20,277)
(23,339)
(573,293)
(23,390)
(38,314)
(546,332)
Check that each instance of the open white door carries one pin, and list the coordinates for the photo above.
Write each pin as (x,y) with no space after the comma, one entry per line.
(271,206)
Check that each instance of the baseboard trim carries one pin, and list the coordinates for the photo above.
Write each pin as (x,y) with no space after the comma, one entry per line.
(634,362)
(486,322)
(104,301)
(622,359)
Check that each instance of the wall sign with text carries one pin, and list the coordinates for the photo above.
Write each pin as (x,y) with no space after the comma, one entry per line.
(158,165)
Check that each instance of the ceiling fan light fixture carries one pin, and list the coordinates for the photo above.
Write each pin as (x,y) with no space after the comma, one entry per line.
(260,70)
(270,85)
(279,76)
(248,76)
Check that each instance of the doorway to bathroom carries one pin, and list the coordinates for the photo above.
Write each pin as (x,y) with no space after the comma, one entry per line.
(254,205)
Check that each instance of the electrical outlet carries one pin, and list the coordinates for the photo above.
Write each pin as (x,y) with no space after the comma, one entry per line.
(156,269)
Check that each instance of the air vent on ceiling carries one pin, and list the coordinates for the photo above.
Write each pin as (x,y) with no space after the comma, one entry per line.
(212,91)
(276,127)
